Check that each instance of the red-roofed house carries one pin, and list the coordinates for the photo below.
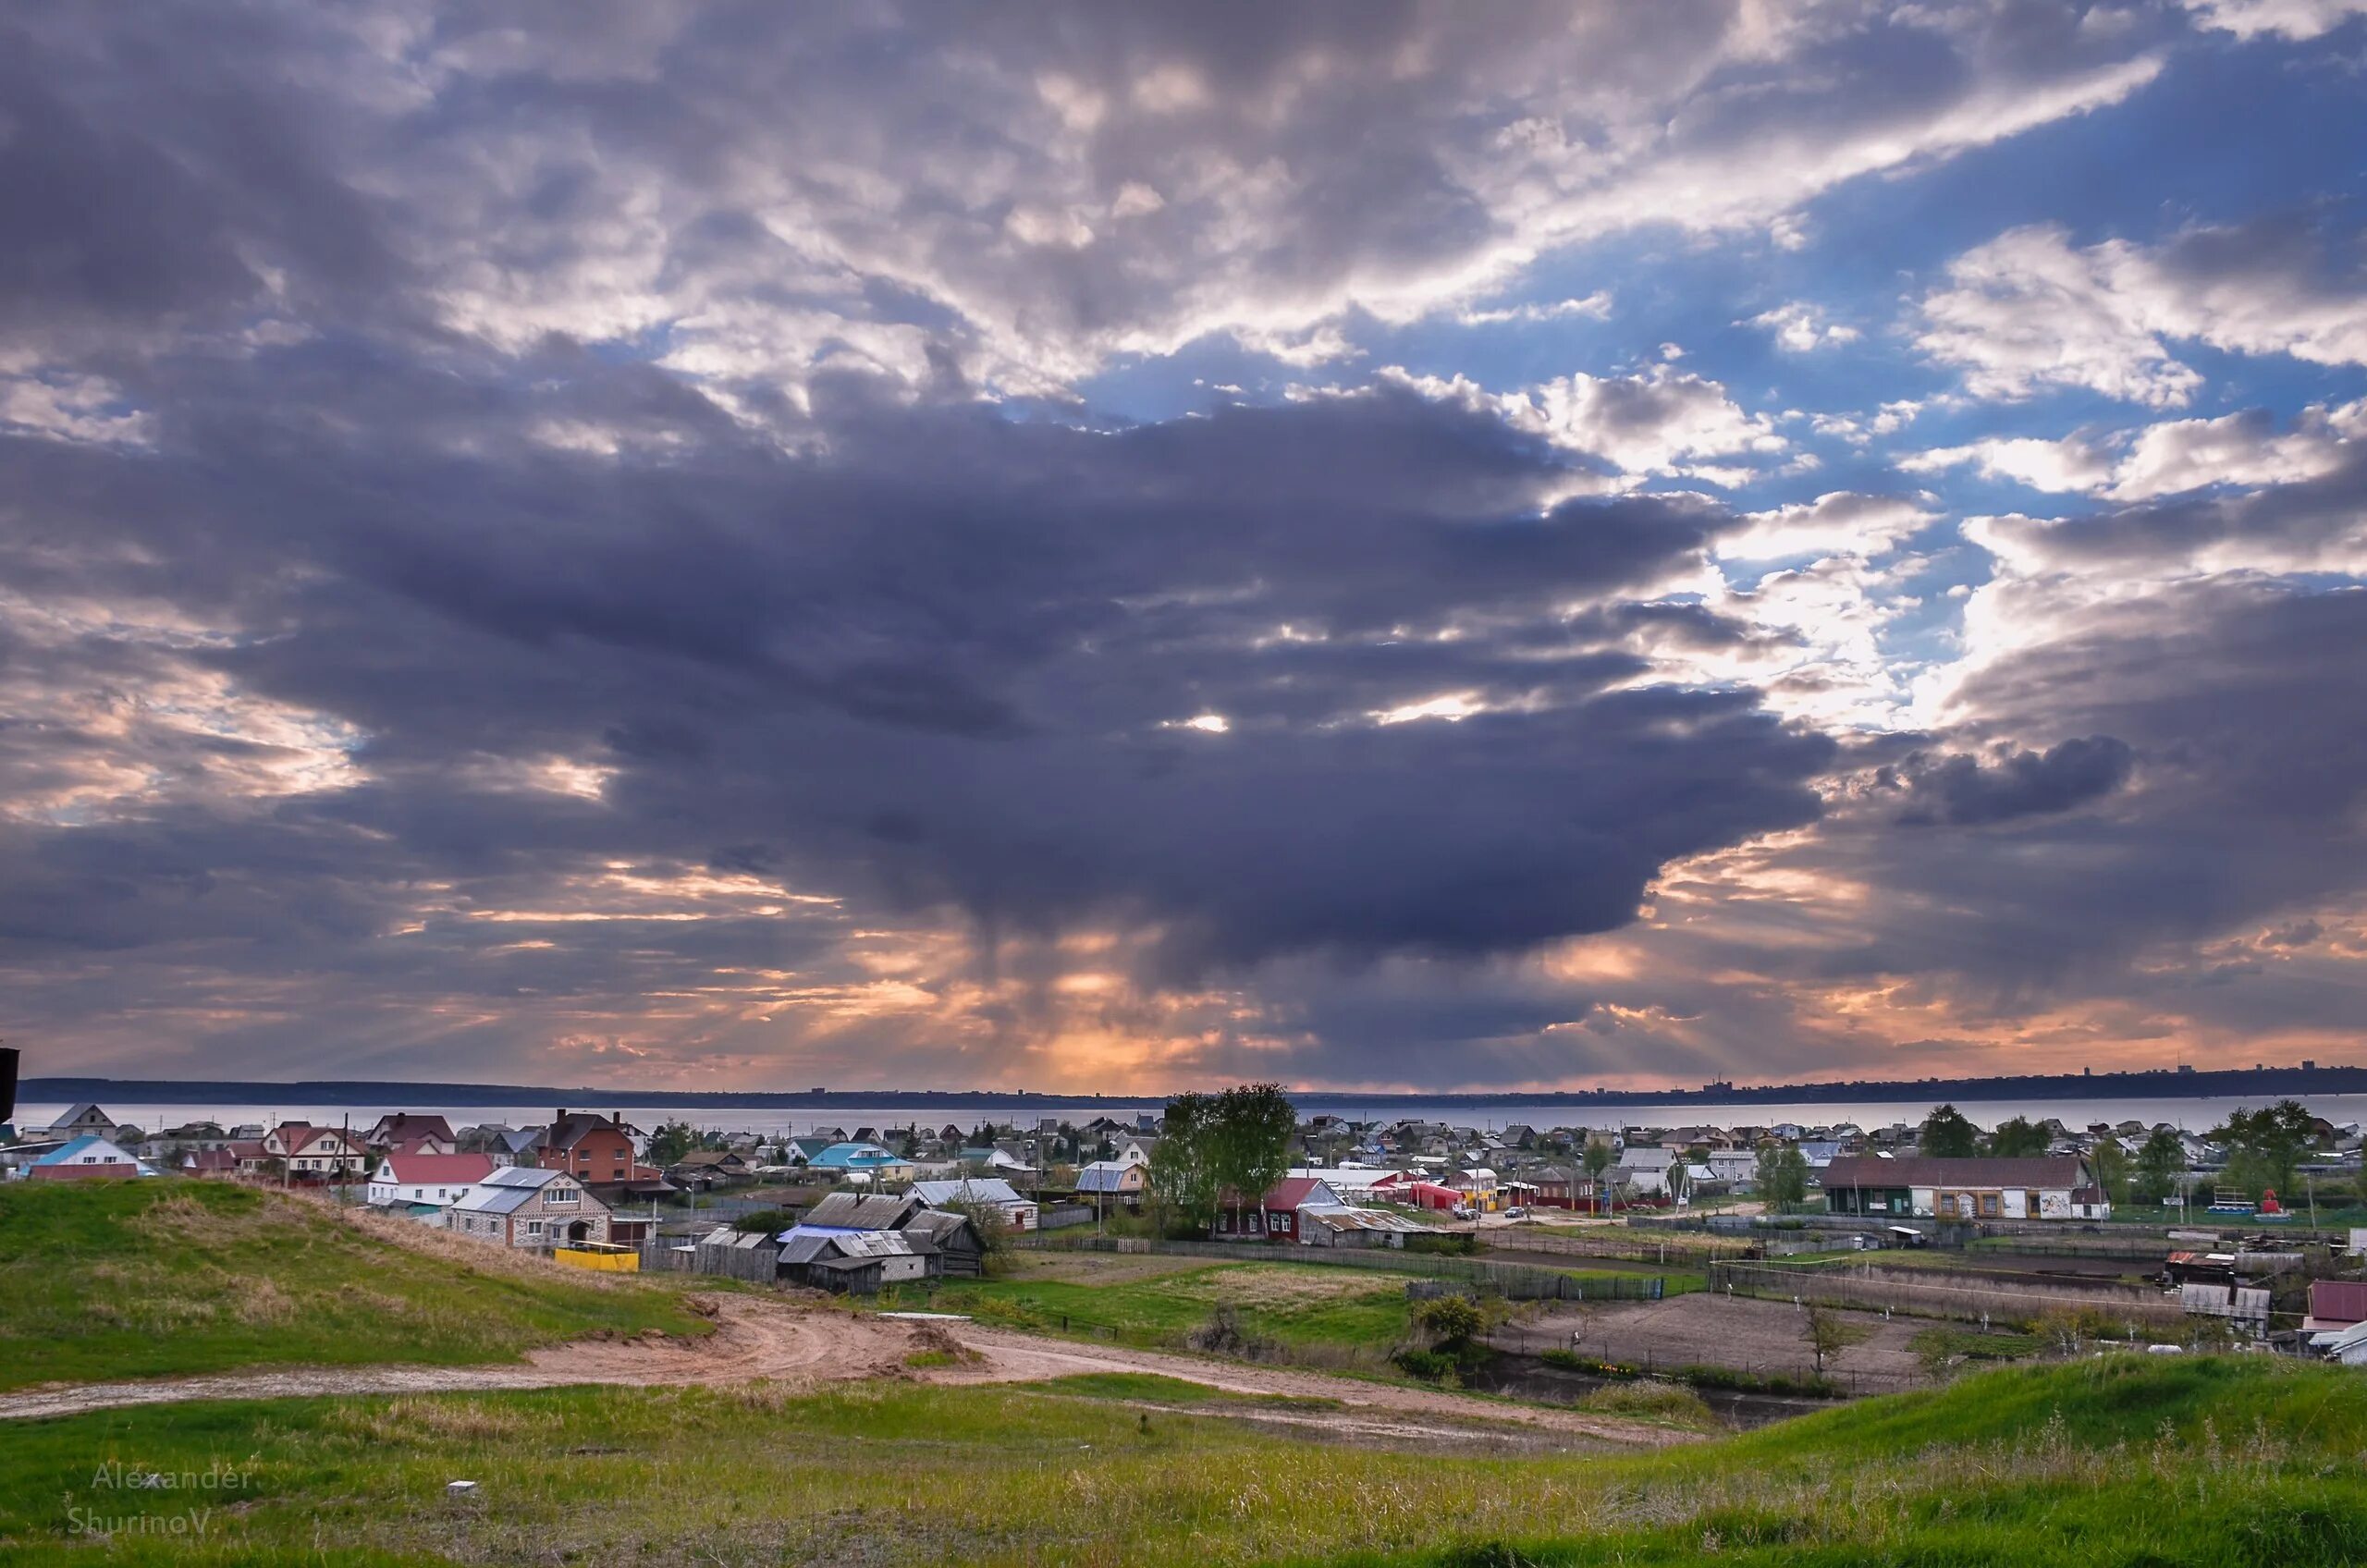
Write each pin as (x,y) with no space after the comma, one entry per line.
(316,1151)
(1276,1217)
(435,1179)
(400,1130)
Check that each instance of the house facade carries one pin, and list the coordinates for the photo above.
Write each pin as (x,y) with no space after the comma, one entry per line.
(85,1121)
(530,1208)
(86,1159)
(1275,1217)
(304,1150)
(2055,1187)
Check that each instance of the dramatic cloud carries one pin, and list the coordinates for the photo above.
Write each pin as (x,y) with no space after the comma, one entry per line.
(1079,546)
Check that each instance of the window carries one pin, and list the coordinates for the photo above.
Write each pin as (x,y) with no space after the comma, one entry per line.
(533,1227)
(1989,1202)
(560,1195)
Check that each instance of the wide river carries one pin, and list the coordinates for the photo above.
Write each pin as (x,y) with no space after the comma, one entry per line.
(2198,1114)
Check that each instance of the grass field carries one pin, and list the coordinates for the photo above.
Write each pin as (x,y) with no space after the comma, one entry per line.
(104,1279)
(2127,1461)
(1358,1315)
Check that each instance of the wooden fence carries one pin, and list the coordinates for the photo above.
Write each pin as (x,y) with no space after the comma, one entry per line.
(1512,1281)
(1924,1292)
(758,1266)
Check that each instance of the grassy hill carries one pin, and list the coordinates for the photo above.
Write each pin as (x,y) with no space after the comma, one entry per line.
(2127,1461)
(158,1278)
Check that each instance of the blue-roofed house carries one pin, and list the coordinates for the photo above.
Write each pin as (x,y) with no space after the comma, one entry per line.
(86,1159)
(868,1161)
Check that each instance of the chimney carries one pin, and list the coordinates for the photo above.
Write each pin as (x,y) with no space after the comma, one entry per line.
(558,1116)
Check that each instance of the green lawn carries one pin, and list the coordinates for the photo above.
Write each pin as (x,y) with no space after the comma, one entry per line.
(2127,1462)
(103,1280)
(1360,1314)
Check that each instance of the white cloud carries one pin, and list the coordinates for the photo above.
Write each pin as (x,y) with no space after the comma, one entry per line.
(1665,421)
(1801,329)
(2028,310)
(2297,19)
(2240,450)
(1836,523)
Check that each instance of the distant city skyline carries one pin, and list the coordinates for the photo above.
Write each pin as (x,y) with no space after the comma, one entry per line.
(1119,548)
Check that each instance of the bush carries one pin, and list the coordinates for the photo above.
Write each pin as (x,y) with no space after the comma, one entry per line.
(1446,1244)
(1430,1365)
(1451,1321)
(1667,1402)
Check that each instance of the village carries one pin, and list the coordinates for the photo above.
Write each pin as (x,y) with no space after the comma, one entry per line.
(1660,1244)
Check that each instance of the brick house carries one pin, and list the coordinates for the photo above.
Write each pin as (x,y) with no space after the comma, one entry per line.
(531,1208)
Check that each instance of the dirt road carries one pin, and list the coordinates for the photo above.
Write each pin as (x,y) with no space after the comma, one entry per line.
(787,1344)
(1738,1332)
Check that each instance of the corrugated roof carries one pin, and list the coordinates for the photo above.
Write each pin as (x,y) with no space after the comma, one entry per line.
(2338,1301)
(972,1188)
(411,1170)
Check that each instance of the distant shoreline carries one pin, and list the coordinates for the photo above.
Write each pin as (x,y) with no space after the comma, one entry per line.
(2164,1084)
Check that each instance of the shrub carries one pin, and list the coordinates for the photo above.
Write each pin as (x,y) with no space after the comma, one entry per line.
(1430,1365)
(1451,1321)
(1649,1397)
(1447,1243)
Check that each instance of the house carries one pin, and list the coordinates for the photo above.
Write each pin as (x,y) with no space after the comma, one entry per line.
(83,1120)
(707,1169)
(2040,1188)
(961,1251)
(991,1192)
(990,1158)
(1276,1215)
(867,1162)
(209,1162)
(404,1129)
(1112,1179)
(588,1147)
(2336,1304)
(1350,1226)
(321,1153)
(1735,1168)
(1135,1146)
(856,1262)
(86,1159)
(529,1207)
(435,1180)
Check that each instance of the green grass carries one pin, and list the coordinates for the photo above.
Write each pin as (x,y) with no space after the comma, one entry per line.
(2126,1462)
(107,1280)
(1357,1316)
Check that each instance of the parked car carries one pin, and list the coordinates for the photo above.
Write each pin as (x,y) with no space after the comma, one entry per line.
(1464,1211)
(1517,1211)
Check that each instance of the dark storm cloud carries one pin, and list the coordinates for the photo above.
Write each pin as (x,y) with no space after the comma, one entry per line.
(950,684)
(1962,790)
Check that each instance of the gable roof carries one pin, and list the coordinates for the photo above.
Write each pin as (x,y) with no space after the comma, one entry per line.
(1292,1191)
(402,1126)
(1104,1176)
(804,1245)
(73,1152)
(76,1113)
(1866,1171)
(2338,1301)
(969,1189)
(856,1156)
(448,1170)
(572,1127)
(856,1211)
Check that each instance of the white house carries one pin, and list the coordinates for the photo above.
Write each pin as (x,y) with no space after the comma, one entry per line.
(1736,1167)
(437,1181)
(85,1121)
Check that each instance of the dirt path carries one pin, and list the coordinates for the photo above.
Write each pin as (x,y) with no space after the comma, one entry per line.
(759,1339)
(1738,1332)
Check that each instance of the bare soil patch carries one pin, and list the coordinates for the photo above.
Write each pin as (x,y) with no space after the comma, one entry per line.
(1738,1332)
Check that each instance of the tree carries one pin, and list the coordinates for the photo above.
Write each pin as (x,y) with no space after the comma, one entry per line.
(1948,1135)
(2112,1169)
(1254,1126)
(1782,1179)
(994,1231)
(2015,1138)
(670,1143)
(1826,1334)
(1181,1185)
(1596,1160)
(2160,1163)
(2264,1145)
(1236,1142)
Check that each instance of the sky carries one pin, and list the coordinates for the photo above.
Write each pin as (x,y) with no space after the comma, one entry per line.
(1098,547)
